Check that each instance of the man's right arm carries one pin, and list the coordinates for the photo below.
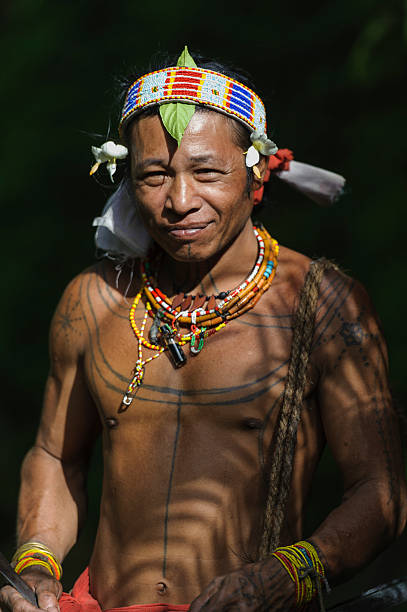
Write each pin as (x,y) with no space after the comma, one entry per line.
(52,501)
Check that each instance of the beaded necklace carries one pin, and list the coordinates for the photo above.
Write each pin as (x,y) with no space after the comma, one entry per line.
(186,309)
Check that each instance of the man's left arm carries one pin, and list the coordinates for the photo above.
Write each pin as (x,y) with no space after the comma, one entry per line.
(361,428)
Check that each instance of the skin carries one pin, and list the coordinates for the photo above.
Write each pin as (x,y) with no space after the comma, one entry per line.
(185,465)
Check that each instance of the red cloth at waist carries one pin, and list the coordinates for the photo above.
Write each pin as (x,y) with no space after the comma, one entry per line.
(81,600)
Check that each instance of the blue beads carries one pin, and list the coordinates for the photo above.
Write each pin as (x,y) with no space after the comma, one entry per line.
(269,269)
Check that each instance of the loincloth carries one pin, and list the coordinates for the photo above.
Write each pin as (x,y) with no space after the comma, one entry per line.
(80,600)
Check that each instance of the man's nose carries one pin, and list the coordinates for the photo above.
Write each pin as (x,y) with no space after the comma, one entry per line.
(182,196)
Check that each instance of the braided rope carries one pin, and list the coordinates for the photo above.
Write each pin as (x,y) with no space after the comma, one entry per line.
(290,412)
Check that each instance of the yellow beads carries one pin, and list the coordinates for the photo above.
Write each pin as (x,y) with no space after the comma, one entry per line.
(304,567)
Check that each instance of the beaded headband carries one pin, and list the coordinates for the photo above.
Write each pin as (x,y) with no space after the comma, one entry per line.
(196,86)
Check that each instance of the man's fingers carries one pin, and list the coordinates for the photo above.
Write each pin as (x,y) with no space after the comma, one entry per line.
(48,592)
(10,599)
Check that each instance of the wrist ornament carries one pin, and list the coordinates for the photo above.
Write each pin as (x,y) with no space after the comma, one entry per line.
(36,554)
(305,569)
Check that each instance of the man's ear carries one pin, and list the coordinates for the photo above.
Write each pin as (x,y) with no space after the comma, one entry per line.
(262,169)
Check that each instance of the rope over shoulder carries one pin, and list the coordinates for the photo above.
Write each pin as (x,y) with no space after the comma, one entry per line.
(290,413)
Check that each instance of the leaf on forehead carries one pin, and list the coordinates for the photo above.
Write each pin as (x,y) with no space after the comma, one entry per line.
(185,59)
(176,115)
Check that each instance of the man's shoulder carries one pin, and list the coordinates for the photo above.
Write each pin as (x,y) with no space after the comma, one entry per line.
(89,298)
(292,266)
(338,290)
(101,274)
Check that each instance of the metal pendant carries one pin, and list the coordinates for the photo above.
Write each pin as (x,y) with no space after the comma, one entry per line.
(155,328)
(178,356)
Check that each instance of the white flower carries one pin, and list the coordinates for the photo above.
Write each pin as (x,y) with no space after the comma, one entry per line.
(108,152)
(252,157)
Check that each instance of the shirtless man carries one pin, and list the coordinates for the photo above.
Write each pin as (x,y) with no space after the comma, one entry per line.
(186,461)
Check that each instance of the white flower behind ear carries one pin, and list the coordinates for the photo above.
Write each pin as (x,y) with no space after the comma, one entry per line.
(252,157)
(261,144)
(108,152)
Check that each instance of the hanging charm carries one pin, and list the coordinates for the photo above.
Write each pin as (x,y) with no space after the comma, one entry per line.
(155,328)
(199,338)
(177,354)
(133,387)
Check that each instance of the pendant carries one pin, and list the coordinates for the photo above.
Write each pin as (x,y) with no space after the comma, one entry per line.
(177,354)
(132,389)
(155,328)
(199,339)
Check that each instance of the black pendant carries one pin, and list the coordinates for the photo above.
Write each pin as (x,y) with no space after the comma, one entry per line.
(177,354)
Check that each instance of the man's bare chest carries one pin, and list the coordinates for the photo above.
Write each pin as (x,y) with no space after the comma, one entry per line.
(239,372)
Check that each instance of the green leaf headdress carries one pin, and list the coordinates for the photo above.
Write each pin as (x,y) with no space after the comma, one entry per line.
(176,115)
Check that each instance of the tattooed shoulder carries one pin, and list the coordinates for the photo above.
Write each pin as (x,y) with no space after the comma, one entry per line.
(67,325)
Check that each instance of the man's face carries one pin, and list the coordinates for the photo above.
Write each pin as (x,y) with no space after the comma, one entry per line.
(193,198)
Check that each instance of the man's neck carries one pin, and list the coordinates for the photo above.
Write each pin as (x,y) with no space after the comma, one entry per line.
(220,273)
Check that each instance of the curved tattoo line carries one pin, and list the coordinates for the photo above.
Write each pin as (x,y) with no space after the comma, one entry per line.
(98,344)
(93,382)
(229,402)
(316,342)
(250,313)
(266,325)
(108,306)
(184,394)
(109,291)
(337,293)
(212,391)
(329,290)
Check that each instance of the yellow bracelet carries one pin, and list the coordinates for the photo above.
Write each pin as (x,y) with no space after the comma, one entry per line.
(29,562)
(36,552)
(304,567)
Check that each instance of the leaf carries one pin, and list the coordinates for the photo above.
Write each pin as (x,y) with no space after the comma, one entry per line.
(186,60)
(175,117)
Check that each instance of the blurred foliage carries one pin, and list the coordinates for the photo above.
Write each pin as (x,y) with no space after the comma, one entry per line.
(331,75)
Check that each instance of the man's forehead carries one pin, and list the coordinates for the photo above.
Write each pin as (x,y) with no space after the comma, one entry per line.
(206,126)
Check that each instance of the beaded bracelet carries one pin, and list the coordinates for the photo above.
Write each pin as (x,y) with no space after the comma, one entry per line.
(305,569)
(35,553)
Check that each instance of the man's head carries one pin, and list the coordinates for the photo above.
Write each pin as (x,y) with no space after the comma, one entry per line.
(195,195)
(193,198)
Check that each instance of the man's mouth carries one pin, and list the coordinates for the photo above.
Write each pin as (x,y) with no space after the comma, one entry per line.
(192,230)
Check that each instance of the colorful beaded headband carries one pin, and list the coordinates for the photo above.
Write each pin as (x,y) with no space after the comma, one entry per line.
(197,86)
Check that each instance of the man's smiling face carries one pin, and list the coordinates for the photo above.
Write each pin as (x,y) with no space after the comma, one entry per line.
(193,198)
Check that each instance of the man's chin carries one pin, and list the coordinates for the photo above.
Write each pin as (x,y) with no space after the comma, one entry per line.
(189,252)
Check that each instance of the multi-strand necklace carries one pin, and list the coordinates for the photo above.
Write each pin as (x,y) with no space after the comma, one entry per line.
(204,315)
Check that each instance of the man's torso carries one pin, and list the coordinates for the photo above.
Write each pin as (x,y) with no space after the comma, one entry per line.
(185,465)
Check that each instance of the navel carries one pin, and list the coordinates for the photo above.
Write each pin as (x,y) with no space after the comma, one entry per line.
(161,588)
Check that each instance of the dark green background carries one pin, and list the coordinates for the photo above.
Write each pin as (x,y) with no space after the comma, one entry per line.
(330,73)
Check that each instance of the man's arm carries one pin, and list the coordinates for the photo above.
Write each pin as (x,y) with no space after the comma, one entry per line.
(52,501)
(362,430)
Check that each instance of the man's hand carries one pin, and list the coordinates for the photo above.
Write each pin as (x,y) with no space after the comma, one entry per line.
(47,589)
(263,586)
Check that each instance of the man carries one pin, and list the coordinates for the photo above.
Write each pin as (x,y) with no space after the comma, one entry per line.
(213,406)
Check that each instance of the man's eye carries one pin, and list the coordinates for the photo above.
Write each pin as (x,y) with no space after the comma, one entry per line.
(156,177)
(208,173)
